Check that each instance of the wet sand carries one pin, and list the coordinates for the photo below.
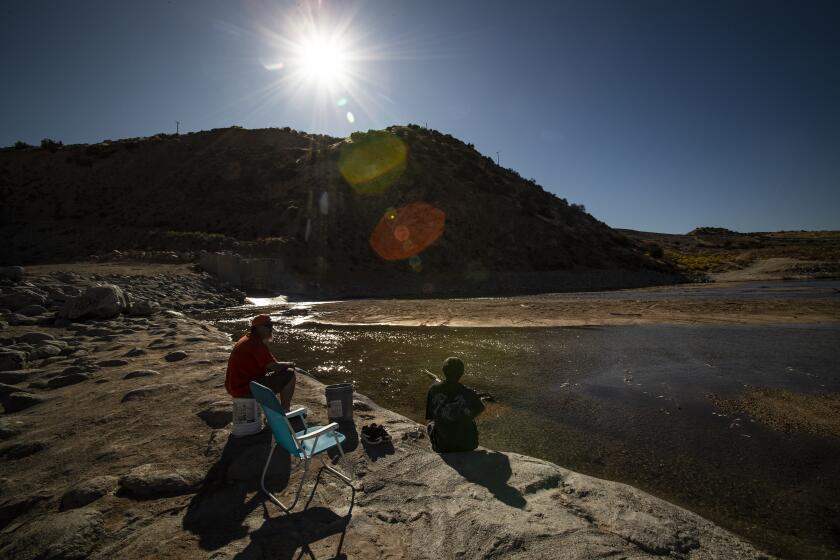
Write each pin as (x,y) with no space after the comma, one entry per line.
(675,305)
(787,411)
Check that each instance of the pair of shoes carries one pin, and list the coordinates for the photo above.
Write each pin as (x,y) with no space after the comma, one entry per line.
(375,434)
(414,435)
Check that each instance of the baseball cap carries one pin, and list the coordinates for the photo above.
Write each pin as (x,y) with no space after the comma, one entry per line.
(261,320)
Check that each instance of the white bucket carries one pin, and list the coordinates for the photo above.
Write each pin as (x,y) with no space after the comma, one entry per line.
(247,417)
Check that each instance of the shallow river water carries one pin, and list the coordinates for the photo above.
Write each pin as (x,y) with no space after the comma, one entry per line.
(624,403)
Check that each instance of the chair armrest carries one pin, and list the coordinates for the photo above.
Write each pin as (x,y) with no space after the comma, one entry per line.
(296,412)
(320,431)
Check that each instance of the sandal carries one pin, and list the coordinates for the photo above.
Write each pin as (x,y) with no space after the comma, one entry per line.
(375,434)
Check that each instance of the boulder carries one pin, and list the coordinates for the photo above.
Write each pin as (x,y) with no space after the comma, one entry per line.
(141,373)
(88,491)
(33,310)
(70,535)
(15,402)
(100,302)
(21,297)
(34,337)
(13,273)
(153,481)
(175,356)
(218,415)
(147,391)
(12,359)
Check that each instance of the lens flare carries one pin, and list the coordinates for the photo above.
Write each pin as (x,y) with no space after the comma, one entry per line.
(371,162)
(351,118)
(405,232)
(415,263)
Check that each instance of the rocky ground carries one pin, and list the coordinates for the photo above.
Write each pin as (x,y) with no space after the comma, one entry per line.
(115,443)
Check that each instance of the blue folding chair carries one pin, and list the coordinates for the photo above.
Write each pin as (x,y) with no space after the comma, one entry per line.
(310,442)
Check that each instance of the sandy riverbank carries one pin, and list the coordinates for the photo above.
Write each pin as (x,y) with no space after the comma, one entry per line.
(115,441)
(594,309)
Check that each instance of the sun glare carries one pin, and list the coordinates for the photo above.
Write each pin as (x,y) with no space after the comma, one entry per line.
(323,60)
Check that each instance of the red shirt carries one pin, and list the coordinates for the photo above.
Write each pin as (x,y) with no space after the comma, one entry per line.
(248,362)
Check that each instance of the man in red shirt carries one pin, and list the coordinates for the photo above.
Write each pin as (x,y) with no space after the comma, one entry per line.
(251,360)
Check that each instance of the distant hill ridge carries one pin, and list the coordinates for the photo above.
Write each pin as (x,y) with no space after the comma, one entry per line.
(312,200)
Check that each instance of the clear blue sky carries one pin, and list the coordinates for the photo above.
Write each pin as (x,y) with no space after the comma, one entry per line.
(657,115)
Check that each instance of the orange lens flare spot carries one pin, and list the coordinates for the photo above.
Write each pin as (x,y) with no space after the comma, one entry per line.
(405,232)
(401,233)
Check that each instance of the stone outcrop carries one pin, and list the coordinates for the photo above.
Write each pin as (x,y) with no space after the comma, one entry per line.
(98,302)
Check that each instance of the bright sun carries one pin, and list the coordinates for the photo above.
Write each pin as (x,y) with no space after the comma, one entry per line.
(323,60)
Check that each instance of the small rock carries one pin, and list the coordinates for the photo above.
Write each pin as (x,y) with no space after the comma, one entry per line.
(67,379)
(21,450)
(15,402)
(218,415)
(16,319)
(12,359)
(141,373)
(33,310)
(142,308)
(88,491)
(70,535)
(134,352)
(8,389)
(10,428)
(17,376)
(175,356)
(147,391)
(112,363)
(45,351)
(13,273)
(152,481)
(62,323)
(34,337)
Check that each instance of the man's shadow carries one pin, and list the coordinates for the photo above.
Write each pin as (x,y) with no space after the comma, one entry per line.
(489,469)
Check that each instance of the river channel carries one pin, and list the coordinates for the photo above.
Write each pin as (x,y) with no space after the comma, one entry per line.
(627,403)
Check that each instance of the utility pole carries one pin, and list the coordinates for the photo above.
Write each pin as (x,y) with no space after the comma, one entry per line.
(177,127)
(497,159)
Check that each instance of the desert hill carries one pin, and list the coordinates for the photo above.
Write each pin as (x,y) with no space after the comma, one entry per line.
(723,254)
(404,201)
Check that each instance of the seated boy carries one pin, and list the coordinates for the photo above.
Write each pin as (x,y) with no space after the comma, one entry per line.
(451,409)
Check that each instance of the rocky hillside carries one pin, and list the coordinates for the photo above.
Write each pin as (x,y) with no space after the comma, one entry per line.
(758,255)
(406,200)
